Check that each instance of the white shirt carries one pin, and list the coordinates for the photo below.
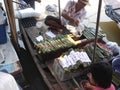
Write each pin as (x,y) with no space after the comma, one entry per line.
(70,10)
(7,82)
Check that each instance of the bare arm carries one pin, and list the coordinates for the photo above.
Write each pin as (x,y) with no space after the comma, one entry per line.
(67,17)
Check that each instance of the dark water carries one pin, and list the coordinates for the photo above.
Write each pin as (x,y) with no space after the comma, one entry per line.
(112,31)
(33,78)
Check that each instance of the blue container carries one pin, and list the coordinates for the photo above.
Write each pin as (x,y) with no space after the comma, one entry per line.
(3,35)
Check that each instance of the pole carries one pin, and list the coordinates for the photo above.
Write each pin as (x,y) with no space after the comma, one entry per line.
(10,14)
(59,9)
(97,27)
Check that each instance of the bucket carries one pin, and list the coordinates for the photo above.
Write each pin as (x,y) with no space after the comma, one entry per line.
(3,24)
(3,36)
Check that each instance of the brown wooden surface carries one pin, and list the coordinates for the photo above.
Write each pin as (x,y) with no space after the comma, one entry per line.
(32,32)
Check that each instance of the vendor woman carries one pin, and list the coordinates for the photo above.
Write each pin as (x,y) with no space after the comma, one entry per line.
(74,12)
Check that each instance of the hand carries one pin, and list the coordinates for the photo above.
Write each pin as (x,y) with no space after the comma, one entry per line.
(38,1)
(76,22)
(87,86)
(76,89)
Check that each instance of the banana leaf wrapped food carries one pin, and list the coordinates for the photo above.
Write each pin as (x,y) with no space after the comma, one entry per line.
(89,33)
(71,61)
(102,51)
(57,43)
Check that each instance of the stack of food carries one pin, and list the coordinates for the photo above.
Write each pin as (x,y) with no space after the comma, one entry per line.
(102,51)
(89,33)
(60,42)
(72,61)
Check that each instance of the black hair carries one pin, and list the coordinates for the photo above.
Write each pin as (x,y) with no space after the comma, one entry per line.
(54,23)
(102,73)
(52,18)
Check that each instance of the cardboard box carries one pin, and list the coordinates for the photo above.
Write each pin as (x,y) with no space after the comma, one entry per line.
(62,74)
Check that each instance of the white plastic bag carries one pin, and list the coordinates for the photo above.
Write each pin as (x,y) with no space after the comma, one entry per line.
(79,29)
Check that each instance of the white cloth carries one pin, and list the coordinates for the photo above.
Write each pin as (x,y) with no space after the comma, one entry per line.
(70,10)
(8,53)
(25,13)
(2,17)
(7,82)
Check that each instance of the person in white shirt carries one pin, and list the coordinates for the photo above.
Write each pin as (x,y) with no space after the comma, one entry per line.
(8,82)
(74,12)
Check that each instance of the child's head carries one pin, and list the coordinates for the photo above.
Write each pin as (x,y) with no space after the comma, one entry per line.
(101,74)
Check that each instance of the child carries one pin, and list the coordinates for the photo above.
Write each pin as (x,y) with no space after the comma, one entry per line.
(100,77)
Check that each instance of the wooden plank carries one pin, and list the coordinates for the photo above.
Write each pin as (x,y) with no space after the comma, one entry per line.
(33,32)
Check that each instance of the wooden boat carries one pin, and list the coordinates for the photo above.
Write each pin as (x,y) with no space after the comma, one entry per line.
(45,68)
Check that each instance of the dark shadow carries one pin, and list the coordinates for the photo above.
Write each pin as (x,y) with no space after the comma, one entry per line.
(31,72)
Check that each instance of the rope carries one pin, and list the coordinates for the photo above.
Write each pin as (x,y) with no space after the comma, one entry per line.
(110,12)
